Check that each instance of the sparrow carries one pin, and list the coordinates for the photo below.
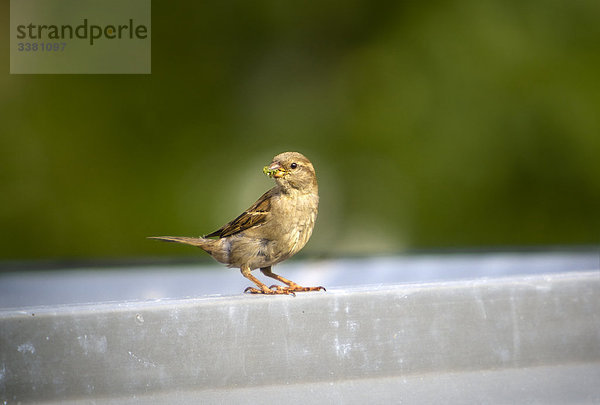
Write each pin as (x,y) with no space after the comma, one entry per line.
(272,230)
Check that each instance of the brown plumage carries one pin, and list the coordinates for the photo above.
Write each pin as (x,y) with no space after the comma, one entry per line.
(272,230)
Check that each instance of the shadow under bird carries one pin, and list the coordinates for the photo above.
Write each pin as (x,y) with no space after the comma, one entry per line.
(272,230)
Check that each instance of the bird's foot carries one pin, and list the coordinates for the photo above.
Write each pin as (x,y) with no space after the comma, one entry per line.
(252,290)
(294,288)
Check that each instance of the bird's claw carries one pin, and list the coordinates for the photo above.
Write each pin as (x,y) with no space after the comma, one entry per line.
(282,290)
(292,289)
(279,290)
(299,288)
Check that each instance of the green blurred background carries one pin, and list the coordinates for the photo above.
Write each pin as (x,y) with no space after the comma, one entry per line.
(432,125)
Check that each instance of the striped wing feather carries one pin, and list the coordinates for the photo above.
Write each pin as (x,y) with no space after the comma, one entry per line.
(253,216)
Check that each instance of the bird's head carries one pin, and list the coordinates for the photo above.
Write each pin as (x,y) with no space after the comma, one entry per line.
(292,169)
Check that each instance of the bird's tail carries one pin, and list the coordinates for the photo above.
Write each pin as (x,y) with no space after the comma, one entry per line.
(213,247)
(200,242)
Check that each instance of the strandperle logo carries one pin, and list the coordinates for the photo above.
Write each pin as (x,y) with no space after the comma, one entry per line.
(86,31)
(80,36)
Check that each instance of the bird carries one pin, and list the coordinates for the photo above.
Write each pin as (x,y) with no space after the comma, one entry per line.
(272,230)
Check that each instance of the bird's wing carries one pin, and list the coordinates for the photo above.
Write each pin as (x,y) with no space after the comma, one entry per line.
(253,216)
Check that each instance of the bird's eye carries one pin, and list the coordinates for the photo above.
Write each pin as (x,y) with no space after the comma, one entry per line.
(294,165)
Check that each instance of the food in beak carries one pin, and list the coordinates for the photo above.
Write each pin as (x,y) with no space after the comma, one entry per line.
(274,170)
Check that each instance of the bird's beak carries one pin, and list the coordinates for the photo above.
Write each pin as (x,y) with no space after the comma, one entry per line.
(274,170)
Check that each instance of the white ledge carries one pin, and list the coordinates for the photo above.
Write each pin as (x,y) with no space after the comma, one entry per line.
(523,338)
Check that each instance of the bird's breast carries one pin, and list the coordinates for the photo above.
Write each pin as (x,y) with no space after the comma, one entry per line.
(299,216)
(286,231)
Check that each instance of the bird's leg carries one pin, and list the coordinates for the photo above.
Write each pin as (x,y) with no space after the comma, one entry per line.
(262,288)
(291,286)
